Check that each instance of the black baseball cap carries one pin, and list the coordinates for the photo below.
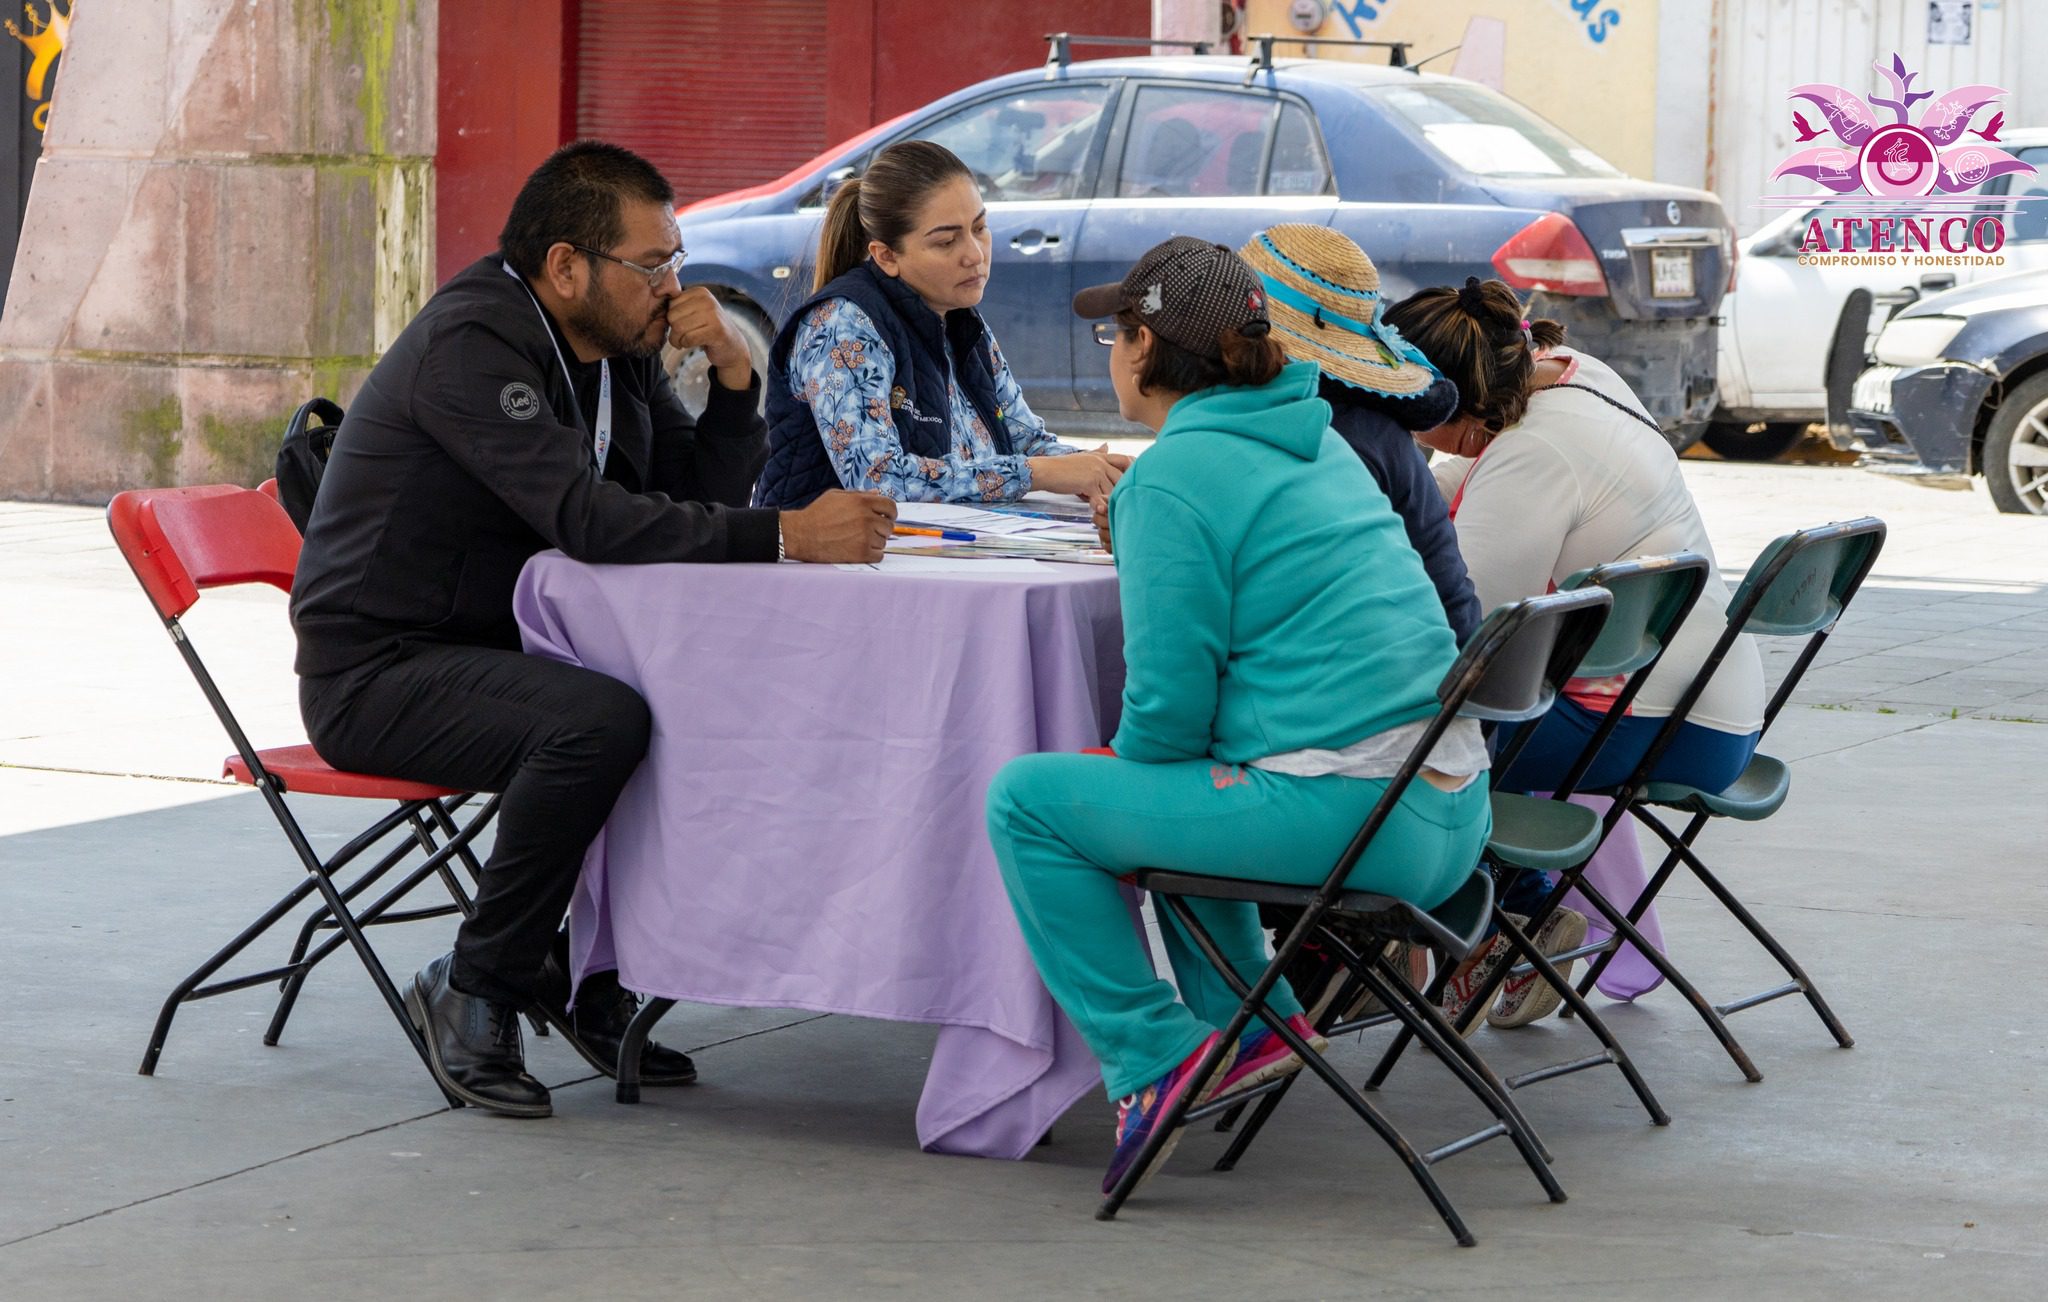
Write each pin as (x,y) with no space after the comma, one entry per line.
(1189,292)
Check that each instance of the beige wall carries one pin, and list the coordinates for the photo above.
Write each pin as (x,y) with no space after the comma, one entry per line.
(1603,92)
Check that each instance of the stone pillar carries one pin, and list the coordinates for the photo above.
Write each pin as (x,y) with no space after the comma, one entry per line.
(233,213)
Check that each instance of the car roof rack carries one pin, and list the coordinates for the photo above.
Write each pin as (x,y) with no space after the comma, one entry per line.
(1262,61)
(1059,56)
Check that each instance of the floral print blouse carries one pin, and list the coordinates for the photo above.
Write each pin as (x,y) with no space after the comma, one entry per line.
(839,365)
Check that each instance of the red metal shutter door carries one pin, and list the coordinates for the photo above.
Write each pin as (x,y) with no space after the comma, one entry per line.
(719,94)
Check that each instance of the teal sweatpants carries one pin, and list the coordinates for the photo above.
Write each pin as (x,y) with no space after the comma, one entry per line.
(1066,826)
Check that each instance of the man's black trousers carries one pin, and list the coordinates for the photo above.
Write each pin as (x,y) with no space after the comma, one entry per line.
(559,741)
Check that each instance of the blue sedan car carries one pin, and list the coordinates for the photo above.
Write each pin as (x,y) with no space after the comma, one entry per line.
(1086,165)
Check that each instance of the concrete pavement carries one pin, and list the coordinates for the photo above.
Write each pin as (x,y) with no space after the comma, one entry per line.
(1906,871)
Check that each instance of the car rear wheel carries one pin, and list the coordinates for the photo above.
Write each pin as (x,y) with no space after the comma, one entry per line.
(2016,451)
(1757,441)
(691,373)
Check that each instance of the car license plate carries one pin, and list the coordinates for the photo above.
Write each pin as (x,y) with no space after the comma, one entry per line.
(1671,273)
(1873,391)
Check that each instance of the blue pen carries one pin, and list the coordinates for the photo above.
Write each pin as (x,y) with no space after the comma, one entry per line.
(950,535)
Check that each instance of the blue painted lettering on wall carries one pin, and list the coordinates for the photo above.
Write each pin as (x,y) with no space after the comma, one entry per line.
(1598,16)
(1358,13)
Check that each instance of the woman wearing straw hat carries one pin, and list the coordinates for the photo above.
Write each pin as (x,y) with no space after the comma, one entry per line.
(1239,751)
(1324,296)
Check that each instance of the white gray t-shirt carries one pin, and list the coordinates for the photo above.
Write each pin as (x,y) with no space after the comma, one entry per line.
(1579,484)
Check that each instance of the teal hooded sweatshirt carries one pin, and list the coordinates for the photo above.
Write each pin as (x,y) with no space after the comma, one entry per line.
(1271,600)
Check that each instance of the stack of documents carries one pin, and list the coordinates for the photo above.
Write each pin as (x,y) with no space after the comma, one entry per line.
(1039,528)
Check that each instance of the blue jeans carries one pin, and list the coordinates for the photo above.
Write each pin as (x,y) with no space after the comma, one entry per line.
(1698,756)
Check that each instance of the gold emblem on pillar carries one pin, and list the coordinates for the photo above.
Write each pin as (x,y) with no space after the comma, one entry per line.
(45,39)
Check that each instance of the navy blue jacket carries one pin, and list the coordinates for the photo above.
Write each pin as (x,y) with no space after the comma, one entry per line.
(798,468)
(1380,430)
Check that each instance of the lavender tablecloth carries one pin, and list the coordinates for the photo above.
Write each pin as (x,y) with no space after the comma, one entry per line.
(807,830)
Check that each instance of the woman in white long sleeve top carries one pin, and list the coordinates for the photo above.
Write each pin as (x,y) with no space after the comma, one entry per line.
(1558,468)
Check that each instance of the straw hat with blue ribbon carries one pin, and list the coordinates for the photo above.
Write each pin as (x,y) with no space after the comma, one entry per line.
(1323,295)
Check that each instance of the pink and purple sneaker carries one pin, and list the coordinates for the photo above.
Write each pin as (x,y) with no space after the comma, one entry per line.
(1263,1056)
(1137,1114)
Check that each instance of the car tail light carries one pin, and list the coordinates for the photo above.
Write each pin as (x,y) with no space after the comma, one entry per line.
(1734,256)
(1550,254)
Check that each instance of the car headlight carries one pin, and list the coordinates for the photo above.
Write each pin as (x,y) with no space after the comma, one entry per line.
(1917,340)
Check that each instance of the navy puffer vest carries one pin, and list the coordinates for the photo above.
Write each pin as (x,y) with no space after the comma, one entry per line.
(798,467)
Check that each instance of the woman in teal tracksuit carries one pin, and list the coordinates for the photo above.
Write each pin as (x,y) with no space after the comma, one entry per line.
(1283,644)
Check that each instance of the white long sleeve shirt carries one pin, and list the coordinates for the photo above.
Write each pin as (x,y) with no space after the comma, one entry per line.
(1578,484)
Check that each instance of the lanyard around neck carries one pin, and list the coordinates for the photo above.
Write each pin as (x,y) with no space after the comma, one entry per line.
(602,443)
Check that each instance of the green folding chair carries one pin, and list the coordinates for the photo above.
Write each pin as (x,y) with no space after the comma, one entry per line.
(1652,597)
(1510,668)
(1798,587)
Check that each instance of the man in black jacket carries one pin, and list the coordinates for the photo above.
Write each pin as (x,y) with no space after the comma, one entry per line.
(524,408)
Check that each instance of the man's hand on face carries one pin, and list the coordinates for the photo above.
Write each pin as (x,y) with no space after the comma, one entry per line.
(695,320)
(840,527)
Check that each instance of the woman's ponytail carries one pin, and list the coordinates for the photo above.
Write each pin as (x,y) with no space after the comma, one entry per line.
(1477,337)
(843,244)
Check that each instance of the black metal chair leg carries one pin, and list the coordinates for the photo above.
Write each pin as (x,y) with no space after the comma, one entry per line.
(444,815)
(1393,1138)
(1435,995)
(1615,1053)
(436,864)
(635,1040)
(1417,1163)
(303,967)
(1648,895)
(463,836)
(1715,1023)
(1472,1072)
(162,1030)
(322,916)
(1242,1141)
(425,835)
(1777,951)
(347,922)
(1417,1166)
(1437,1029)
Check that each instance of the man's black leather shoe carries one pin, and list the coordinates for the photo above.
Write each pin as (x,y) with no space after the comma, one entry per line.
(604,1009)
(473,1045)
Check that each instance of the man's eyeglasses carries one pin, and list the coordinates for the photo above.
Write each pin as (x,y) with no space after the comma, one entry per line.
(669,266)
(1106,333)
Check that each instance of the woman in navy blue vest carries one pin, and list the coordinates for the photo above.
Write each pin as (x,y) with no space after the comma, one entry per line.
(887,379)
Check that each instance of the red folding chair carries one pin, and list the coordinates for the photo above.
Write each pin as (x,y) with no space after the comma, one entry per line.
(180,541)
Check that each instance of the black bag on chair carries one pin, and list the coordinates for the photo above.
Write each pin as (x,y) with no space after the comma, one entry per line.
(302,458)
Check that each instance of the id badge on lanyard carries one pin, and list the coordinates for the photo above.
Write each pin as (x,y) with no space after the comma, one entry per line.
(601,443)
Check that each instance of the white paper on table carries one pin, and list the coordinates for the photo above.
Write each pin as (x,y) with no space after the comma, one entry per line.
(951,515)
(961,565)
(922,542)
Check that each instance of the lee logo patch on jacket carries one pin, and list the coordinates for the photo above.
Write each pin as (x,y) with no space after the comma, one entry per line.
(519,401)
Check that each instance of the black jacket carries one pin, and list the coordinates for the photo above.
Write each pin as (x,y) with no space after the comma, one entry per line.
(467,451)
(1380,430)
